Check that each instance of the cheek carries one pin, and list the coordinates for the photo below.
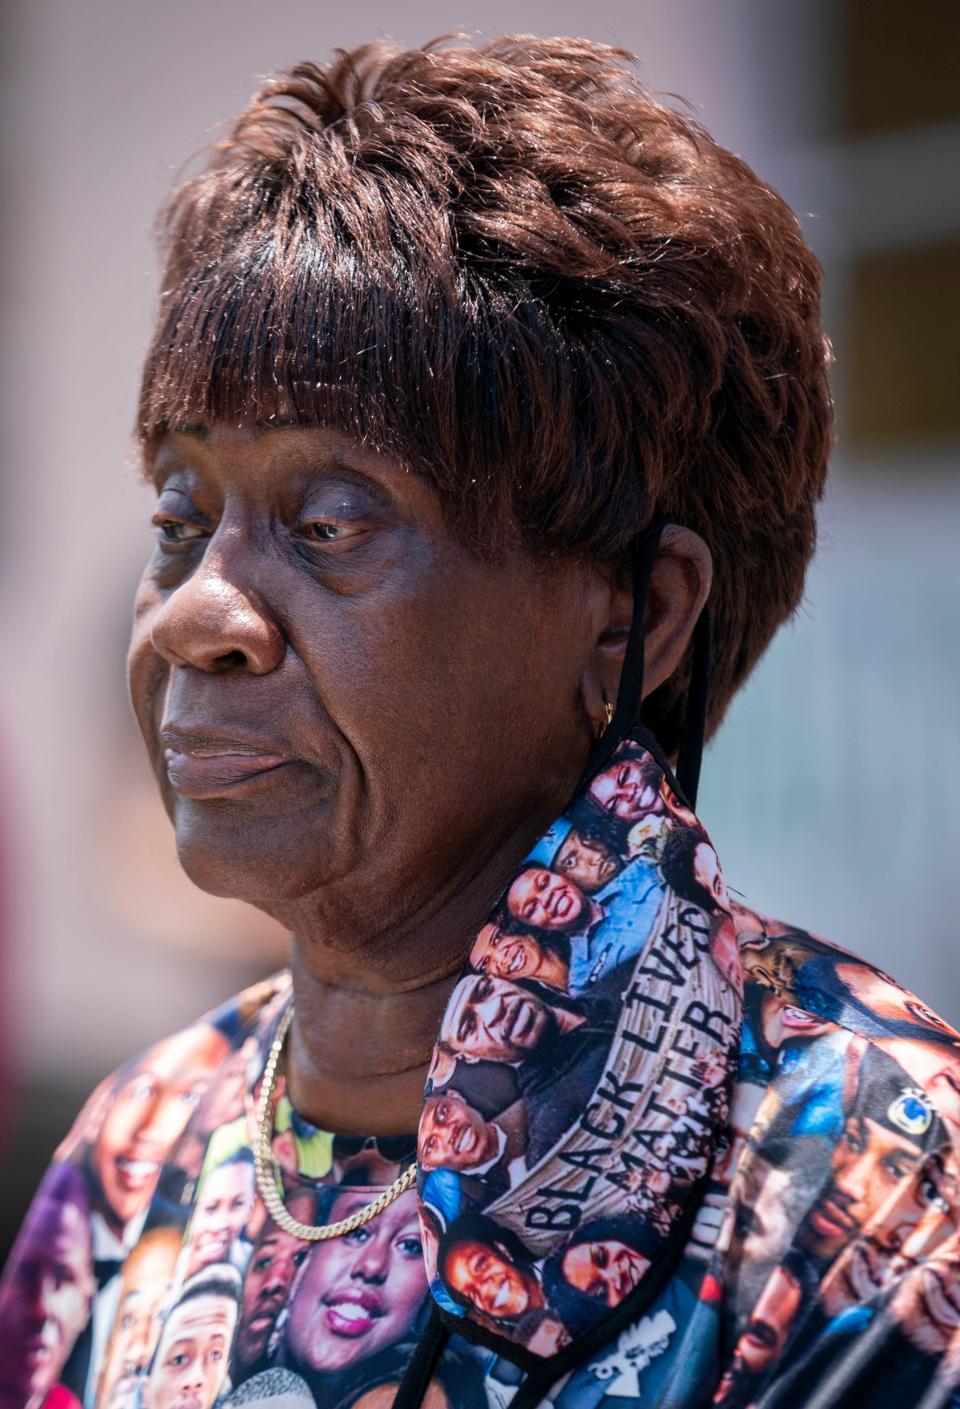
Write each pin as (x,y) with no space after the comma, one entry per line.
(409,1289)
(116,1133)
(147,675)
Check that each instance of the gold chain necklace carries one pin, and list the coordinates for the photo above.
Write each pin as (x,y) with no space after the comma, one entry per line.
(269,1179)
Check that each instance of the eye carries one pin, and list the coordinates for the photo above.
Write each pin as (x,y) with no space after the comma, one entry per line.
(897,1166)
(176,531)
(337,521)
(855,1137)
(325,531)
(410,1246)
(921,1011)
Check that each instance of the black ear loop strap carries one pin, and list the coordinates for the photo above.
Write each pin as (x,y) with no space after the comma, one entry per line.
(627,714)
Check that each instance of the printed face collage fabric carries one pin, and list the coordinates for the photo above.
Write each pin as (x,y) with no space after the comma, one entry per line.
(629,1058)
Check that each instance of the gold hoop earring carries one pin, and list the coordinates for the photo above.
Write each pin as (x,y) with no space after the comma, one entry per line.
(607,720)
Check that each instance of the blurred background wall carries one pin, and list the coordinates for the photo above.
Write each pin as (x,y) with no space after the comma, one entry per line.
(832,791)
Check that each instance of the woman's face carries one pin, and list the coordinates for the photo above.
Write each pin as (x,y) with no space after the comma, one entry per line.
(608,1270)
(513,956)
(546,901)
(482,1275)
(359,1293)
(626,790)
(148,1113)
(333,690)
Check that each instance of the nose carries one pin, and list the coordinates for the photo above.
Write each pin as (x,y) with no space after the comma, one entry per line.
(162,1122)
(856,1180)
(372,1260)
(138,1350)
(190,1379)
(275,1285)
(213,622)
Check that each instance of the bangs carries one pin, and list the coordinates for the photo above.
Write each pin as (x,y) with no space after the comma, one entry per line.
(349,299)
(310,331)
(314,323)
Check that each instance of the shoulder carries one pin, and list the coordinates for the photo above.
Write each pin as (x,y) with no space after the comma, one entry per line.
(185,1061)
(799,986)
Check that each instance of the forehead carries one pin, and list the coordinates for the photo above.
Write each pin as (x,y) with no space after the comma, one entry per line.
(461,998)
(177,1057)
(227,1177)
(437,1104)
(55,1230)
(265,453)
(200,1315)
(881,1137)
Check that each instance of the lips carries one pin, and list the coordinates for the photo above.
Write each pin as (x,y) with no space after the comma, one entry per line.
(520,1021)
(863,1278)
(628,1275)
(941,1300)
(465,1139)
(502,1296)
(561,903)
(38,1351)
(517,961)
(263,1321)
(831,1222)
(135,1175)
(795,1017)
(213,1246)
(352,1313)
(206,775)
(762,1334)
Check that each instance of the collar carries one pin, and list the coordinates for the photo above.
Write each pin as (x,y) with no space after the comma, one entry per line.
(610,1079)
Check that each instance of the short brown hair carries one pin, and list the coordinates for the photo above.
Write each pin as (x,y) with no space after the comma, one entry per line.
(550,293)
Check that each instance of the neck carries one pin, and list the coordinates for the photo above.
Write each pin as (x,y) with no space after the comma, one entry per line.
(367,1012)
(357,1060)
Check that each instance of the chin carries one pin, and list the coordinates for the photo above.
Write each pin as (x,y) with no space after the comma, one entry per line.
(264,862)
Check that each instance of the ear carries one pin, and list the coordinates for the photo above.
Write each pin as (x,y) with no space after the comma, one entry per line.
(611,603)
(679,587)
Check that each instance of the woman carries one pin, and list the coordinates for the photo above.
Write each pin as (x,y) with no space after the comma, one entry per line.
(599,1267)
(478,373)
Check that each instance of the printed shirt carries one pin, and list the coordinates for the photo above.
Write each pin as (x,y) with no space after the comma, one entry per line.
(671,1154)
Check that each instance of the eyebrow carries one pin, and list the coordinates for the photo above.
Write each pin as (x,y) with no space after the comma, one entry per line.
(334,464)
